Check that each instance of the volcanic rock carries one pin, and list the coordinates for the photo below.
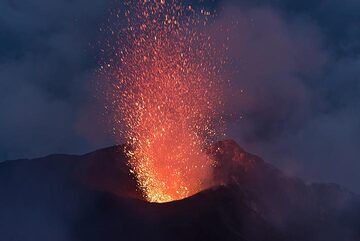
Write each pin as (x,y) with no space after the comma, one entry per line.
(93,197)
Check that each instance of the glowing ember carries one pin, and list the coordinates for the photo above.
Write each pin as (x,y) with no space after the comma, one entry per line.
(167,97)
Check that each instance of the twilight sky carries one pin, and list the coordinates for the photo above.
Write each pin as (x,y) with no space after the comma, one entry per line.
(294,99)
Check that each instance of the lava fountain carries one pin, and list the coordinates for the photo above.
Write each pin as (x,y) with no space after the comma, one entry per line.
(167,97)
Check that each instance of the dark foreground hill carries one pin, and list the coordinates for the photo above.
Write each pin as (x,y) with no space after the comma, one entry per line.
(93,198)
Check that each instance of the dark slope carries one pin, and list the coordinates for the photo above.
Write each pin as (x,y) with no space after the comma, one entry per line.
(92,197)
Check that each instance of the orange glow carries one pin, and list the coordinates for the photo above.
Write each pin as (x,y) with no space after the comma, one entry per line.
(167,98)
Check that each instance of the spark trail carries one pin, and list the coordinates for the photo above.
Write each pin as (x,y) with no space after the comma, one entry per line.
(167,97)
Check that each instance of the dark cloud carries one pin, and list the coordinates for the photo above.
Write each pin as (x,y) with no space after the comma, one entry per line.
(46,72)
(294,93)
(338,19)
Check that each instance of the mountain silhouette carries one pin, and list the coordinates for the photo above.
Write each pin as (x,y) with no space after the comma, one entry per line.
(94,197)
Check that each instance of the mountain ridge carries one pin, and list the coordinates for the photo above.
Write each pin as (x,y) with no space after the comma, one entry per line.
(93,197)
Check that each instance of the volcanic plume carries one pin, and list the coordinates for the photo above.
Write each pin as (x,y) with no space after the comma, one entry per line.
(167,97)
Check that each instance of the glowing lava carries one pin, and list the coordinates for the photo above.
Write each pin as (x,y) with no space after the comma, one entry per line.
(167,98)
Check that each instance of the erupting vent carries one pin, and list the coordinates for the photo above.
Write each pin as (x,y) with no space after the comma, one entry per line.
(168,97)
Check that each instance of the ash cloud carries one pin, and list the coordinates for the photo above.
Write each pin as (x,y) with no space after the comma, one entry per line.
(294,88)
(46,71)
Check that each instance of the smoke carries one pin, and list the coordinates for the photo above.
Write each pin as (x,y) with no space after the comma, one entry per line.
(292,97)
(46,70)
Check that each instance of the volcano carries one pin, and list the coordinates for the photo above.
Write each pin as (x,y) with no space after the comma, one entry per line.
(94,197)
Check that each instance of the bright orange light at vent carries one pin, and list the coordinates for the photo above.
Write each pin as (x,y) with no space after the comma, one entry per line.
(167,98)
